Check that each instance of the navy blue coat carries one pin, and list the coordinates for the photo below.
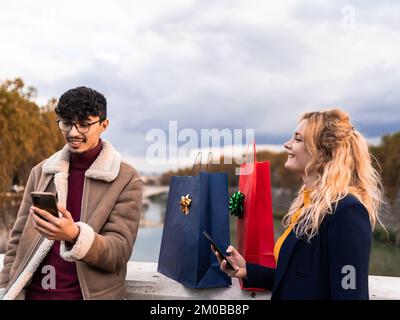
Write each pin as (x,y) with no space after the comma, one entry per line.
(323,267)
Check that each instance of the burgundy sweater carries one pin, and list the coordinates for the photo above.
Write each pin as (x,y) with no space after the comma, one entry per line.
(67,283)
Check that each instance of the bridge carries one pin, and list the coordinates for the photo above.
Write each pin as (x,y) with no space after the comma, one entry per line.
(152,191)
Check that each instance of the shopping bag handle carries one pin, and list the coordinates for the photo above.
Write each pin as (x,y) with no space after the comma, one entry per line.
(249,168)
(254,151)
(210,156)
(195,160)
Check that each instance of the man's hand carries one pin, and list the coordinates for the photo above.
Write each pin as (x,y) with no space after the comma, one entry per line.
(58,229)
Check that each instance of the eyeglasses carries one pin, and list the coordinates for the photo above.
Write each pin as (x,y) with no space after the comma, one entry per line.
(80,127)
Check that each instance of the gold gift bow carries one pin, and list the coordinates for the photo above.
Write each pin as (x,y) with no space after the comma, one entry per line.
(185,203)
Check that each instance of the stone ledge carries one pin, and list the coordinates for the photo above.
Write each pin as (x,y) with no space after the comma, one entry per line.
(145,283)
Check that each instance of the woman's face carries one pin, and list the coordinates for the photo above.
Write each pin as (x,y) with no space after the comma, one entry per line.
(298,156)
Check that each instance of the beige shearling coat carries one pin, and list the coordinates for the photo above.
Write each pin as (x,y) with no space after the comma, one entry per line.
(110,214)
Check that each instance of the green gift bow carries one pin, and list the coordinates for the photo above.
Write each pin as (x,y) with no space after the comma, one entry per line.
(236,204)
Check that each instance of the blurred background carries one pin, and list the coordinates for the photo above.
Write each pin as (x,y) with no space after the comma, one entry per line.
(223,64)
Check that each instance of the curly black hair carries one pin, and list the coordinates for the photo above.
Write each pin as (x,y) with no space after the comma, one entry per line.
(81,103)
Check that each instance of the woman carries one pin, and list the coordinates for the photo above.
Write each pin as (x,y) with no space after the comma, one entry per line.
(324,251)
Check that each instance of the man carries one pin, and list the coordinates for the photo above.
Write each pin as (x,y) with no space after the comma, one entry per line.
(83,253)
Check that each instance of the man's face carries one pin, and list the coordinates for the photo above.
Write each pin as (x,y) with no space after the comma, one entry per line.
(80,141)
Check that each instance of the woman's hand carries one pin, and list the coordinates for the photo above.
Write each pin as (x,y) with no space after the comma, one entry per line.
(236,260)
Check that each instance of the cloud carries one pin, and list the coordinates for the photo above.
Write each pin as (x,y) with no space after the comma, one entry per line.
(210,64)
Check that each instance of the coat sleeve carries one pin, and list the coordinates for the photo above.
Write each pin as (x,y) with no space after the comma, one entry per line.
(349,245)
(259,277)
(110,249)
(16,232)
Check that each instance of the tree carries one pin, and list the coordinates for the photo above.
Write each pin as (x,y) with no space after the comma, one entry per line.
(28,133)
(388,156)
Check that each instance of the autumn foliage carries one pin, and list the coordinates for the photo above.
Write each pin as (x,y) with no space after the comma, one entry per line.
(28,132)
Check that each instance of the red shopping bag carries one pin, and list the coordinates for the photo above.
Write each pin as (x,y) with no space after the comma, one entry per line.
(255,229)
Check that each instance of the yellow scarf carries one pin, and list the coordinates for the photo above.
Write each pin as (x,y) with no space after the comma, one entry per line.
(295,217)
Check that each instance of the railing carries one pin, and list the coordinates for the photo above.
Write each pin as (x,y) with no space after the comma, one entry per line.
(144,282)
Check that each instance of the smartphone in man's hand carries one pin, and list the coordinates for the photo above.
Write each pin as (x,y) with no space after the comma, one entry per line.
(223,256)
(45,201)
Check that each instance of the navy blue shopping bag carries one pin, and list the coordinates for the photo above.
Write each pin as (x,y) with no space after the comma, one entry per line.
(195,203)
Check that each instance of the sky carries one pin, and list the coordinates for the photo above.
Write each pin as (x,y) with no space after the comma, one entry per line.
(222,64)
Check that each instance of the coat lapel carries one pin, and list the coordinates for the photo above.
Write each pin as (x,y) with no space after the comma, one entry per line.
(105,168)
(284,257)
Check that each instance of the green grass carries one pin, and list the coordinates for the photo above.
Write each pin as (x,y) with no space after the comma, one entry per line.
(384,259)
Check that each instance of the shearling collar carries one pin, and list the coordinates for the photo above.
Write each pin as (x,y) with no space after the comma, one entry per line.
(105,167)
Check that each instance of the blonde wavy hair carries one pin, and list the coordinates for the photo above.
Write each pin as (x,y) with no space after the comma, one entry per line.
(342,164)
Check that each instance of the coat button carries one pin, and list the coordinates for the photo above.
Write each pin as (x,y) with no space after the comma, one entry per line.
(300,275)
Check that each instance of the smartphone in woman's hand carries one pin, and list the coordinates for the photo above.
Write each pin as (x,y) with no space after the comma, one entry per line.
(218,250)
